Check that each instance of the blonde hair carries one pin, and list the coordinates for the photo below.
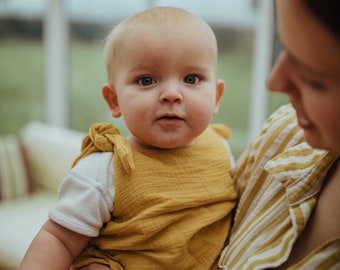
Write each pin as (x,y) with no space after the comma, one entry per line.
(158,16)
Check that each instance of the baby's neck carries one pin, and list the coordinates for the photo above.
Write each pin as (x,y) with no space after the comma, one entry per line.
(139,145)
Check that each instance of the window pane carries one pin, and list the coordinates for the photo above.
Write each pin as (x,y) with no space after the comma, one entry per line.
(21,70)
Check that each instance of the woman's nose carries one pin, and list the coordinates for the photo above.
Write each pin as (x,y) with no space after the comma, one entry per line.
(279,79)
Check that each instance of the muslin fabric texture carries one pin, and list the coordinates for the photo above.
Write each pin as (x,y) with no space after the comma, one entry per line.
(172,208)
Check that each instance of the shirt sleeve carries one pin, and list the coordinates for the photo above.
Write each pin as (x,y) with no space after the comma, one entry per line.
(231,157)
(85,197)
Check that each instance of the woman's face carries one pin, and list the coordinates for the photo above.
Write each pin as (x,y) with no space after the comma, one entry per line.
(308,71)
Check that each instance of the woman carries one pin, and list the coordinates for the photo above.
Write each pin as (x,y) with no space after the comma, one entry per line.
(289,178)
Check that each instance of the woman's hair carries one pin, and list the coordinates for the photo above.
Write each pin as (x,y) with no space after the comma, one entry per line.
(328,12)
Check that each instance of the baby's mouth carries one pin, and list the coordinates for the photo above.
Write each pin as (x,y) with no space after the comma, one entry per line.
(170,119)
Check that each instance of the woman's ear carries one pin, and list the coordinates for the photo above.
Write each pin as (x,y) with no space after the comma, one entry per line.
(111,99)
(219,93)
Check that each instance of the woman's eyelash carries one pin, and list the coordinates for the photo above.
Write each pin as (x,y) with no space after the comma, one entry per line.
(312,83)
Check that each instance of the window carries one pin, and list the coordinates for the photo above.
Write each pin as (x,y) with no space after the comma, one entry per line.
(24,67)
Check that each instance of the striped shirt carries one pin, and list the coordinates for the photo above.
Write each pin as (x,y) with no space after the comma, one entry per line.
(278,180)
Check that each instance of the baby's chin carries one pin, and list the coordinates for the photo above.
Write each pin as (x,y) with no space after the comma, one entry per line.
(173,146)
(139,144)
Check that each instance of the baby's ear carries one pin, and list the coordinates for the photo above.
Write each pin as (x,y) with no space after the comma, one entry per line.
(220,85)
(111,99)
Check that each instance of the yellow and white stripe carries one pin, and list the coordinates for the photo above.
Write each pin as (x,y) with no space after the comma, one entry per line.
(277,185)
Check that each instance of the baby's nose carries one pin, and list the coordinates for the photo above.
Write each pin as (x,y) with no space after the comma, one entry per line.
(171,94)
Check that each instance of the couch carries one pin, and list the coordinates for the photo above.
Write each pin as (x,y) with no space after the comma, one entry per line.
(32,164)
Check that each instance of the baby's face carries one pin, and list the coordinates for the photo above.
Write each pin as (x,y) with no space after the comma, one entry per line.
(166,86)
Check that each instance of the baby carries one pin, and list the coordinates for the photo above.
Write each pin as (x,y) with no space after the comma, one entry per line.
(162,197)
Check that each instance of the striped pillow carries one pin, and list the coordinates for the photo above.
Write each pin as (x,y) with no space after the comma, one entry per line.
(14,176)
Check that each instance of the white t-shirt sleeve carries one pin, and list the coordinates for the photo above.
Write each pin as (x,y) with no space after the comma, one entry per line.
(86,195)
(231,157)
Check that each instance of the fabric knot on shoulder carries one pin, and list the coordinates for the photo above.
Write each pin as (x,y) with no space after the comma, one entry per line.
(222,130)
(106,138)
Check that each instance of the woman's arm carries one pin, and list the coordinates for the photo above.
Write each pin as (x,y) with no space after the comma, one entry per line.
(54,247)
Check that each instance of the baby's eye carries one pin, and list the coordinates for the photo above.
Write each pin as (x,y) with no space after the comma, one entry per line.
(192,79)
(145,80)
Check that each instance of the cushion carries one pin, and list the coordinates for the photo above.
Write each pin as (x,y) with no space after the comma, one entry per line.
(49,151)
(14,178)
